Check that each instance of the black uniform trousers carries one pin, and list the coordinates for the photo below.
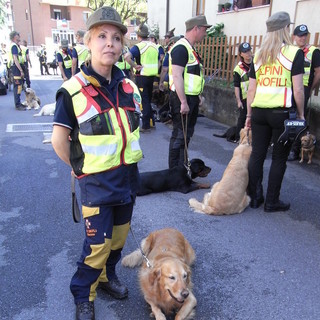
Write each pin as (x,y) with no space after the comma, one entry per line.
(145,85)
(241,118)
(25,69)
(267,125)
(177,144)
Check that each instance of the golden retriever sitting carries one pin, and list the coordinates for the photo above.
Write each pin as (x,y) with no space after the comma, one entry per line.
(308,142)
(32,101)
(166,283)
(229,196)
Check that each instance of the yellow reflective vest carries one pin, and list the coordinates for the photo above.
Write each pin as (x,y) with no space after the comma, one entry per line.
(122,63)
(108,133)
(82,52)
(274,84)
(67,59)
(10,56)
(244,79)
(308,52)
(149,58)
(193,71)
(24,53)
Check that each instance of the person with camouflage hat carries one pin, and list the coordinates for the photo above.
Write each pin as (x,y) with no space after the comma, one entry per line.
(96,132)
(144,57)
(15,61)
(64,58)
(79,52)
(186,82)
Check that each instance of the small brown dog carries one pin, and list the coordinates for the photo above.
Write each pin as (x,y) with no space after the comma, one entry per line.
(166,284)
(308,142)
(229,195)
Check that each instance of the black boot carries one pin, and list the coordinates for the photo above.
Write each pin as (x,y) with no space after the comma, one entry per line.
(256,195)
(85,311)
(277,206)
(114,288)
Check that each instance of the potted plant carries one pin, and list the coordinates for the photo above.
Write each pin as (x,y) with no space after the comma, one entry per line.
(220,7)
(227,6)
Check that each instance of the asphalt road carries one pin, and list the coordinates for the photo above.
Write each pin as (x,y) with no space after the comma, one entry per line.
(249,266)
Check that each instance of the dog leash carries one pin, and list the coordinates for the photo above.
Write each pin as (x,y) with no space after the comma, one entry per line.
(187,163)
(75,207)
(149,265)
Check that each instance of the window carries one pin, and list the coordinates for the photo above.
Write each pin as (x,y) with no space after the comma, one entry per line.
(85,16)
(133,36)
(57,14)
(133,22)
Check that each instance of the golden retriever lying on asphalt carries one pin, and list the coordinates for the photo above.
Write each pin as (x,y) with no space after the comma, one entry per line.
(230,194)
(166,284)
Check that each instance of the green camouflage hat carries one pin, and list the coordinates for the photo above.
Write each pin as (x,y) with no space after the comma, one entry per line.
(106,15)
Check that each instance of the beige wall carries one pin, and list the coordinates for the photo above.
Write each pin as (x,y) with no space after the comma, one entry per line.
(247,21)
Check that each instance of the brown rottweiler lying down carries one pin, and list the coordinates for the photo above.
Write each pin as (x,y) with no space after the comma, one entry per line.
(174,179)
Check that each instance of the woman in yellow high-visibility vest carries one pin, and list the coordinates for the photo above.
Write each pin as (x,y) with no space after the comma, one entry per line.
(275,89)
(96,132)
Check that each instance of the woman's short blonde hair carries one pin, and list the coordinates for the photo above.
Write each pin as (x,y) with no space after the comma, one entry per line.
(87,38)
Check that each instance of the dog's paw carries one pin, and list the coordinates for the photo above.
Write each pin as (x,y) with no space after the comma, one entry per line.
(36,108)
(133,259)
(28,108)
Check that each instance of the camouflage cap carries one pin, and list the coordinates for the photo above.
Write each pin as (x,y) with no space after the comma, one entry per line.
(170,33)
(64,43)
(277,21)
(13,34)
(106,15)
(143,31)
(199,21)
(80,33)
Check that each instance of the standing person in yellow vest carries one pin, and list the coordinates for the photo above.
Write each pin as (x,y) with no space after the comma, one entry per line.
(123,64)
(144,58)
(99,109)
(64,57)
(275,90)
(154,39)
(26,62)
(241,84)
(79,52)
(311,77)
(15,61)
(186,82)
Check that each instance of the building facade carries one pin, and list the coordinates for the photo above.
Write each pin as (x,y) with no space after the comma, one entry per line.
(169,14)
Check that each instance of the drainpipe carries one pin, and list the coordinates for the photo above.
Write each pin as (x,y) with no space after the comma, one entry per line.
(167,15)
(270,8)
(30,14)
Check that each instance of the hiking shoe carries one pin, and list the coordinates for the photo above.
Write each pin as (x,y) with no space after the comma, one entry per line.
(85,311)
(114,288)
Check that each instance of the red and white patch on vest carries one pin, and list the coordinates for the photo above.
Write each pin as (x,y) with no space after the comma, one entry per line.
(127,87)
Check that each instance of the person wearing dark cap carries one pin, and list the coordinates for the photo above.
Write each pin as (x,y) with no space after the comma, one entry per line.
(241,84)
(15,61)
(96,132)
(144,57)
(168,36)
(186,82)
(311,77)
(26,62)
(64,58)
(275,90)
(79,52)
